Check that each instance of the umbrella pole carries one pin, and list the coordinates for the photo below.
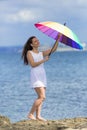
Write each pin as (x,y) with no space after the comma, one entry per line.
(52,49)
(56,42)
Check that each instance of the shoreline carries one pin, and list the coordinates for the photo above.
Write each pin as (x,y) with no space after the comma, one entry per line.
(79,123)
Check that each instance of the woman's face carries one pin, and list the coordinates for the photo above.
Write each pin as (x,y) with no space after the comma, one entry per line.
(35,42)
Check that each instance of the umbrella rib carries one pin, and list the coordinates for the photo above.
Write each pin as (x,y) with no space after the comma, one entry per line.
(51,31)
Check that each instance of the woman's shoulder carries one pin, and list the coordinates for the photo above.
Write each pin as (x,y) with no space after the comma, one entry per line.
(29,53)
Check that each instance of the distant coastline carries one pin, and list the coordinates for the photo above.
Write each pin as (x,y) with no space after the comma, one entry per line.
(60,48)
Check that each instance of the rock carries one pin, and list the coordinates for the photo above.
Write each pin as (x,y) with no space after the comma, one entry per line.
(71,129)
(4,121)
(66,124)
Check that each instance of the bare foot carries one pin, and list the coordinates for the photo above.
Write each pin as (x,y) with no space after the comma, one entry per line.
(31,116)
(41,119)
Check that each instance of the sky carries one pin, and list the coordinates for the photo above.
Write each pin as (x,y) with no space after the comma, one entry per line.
(17,19)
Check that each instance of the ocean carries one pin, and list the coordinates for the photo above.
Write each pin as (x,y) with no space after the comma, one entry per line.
(66,93)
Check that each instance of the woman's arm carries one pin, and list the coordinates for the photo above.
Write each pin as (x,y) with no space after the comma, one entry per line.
(47,52)
(31,60)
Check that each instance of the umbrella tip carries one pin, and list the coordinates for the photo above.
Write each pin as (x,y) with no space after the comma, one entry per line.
(65,24)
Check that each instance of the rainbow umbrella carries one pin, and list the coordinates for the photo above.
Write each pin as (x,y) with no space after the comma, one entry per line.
(53,28)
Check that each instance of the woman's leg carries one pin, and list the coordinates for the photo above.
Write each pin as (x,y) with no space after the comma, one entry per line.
(37,104)
(38,110)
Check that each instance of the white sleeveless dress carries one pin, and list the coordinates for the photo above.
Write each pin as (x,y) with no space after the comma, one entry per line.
(38,74)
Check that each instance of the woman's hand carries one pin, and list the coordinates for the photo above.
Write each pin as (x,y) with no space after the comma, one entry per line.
(33,63)
(59,36)
(46,58)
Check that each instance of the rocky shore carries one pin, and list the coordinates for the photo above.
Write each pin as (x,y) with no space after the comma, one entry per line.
(65,124)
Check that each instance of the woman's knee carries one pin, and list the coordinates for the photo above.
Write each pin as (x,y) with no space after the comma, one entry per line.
(42,98)
(41,93)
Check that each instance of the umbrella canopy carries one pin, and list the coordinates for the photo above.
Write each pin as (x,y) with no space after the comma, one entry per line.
(53,28)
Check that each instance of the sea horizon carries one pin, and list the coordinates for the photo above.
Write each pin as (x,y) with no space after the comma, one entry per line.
(42,47)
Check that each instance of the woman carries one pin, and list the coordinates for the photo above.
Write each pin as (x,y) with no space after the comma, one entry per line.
(35,59)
